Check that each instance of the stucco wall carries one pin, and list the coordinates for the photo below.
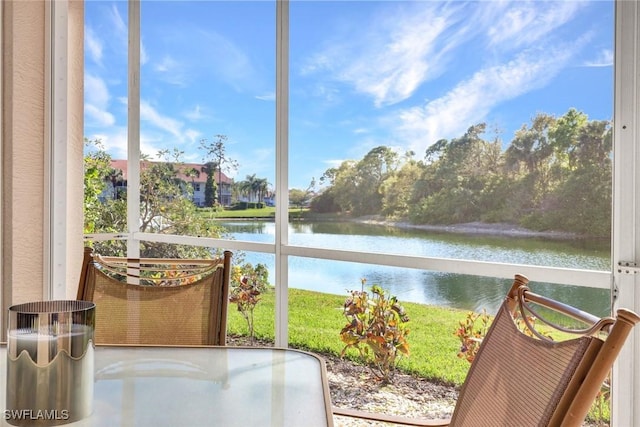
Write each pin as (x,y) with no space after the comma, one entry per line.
(25,173)
(23,150)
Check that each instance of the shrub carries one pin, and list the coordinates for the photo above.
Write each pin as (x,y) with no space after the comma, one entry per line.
(471,336)
(247,284)
(376,327)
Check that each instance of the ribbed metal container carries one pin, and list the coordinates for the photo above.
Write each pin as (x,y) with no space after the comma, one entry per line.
(50,362)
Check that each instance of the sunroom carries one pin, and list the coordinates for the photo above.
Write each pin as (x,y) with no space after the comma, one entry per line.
(51,93)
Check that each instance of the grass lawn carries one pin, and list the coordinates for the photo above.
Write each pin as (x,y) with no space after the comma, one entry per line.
(267,212)
(315,321)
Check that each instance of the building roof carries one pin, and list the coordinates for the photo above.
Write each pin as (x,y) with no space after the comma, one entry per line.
(201,178)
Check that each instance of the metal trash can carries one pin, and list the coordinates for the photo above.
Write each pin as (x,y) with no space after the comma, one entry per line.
(50,362)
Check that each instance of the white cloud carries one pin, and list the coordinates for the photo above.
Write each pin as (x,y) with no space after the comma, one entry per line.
(98,117)
(97,99)
(236,68)
(408,46)
(161,129)
(522,23)
(93,45)
(399,51)
(267,97)
(167,64)
(154,118)
(193,135)
(114,141)
(190,56)
(172,71)
(113,29)
(604,58)
(144,56)
(196,114)
(117,23)
(327,92)
(150,146)
(471,100)
(95,90)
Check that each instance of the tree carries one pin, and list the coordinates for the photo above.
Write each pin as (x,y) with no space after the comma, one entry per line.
(215,152)
(165,207)
(453,185)
(532,146)
(210,188)
(357,183)
(253,188)
(244,188)
(101,214)
(345,185)
(397,189)
(554,175)
(564,136)
(581,203)
(298,198)
(301,198)
(261,188)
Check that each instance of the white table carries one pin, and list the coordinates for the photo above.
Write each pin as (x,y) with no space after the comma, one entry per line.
(204,386)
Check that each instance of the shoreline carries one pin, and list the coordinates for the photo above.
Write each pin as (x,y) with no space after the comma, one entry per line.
(475,228)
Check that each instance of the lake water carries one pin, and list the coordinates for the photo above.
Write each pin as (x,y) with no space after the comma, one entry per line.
(421,286)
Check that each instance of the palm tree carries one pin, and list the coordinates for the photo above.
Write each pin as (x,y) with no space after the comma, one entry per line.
(252,186)
(262,187)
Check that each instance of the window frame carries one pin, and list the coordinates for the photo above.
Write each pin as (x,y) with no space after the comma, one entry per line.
(625,247)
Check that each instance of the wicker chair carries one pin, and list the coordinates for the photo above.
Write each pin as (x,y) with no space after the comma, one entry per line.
(157,301)
(519,379)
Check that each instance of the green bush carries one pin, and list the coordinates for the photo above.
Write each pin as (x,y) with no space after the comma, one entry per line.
(376,328)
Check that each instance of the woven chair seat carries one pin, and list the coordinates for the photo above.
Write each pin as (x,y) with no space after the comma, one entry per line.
(157,301)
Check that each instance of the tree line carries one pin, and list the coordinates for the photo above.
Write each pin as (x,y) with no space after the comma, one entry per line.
(555,174)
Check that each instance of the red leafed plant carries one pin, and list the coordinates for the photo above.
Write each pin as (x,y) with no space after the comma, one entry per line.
(376,327)
(247,284)
(471,335)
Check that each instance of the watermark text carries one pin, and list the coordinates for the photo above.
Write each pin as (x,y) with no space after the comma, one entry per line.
(36,414)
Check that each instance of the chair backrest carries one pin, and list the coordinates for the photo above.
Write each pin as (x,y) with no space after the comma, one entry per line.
(157,301)
(526,379)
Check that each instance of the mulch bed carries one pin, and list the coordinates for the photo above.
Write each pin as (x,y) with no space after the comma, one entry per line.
(353,385)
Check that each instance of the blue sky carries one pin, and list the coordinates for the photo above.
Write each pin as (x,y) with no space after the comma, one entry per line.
(362,74)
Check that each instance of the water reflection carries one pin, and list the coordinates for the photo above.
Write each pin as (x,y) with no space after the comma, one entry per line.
(428,287)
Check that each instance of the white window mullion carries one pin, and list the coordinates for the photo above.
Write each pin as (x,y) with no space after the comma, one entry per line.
(2,293)
(56,104)
(133,149)
(626,198)
(282,172)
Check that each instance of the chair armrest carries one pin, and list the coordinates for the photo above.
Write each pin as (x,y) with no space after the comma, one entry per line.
(394,419)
